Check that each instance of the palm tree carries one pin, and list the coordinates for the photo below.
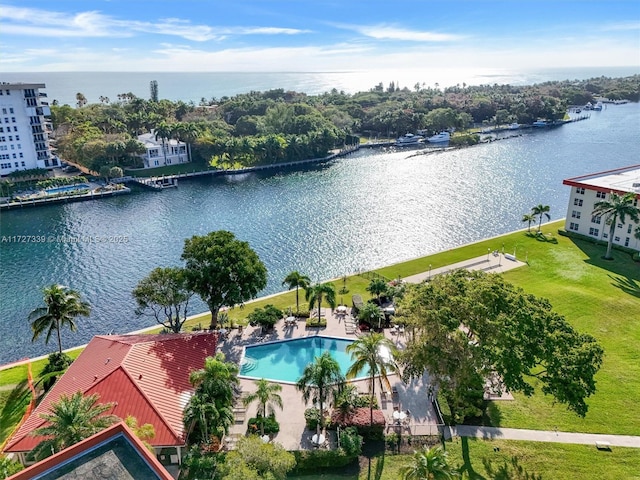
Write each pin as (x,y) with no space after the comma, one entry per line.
(296,280)
(429,464)
(63,305)
(267,396)
(618,206)
(375,354)
(319,381)
(377,287)
(210,409)
(530,218)
(144,432)
(540,211)
(371,314)
(70,420)
(321,291)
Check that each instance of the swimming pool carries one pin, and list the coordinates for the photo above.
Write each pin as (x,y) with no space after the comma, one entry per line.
(284,361)
(67,188)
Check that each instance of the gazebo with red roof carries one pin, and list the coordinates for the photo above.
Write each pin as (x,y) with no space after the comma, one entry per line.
(146,376)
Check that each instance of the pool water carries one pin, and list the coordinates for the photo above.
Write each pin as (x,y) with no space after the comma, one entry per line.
(67,188)
(285,361)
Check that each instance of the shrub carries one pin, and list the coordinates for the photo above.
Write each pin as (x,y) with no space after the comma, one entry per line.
(312,417)
(462,140)
(271,425)
(303,314)
(351,442)
(313,460)
(55,367)
(266,317)
(392,440)
(313,322)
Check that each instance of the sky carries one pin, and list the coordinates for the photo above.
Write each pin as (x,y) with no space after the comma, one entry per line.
(315,35)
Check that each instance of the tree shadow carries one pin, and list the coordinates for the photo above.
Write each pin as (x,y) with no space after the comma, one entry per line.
(508,471)
(466,466)
(14,407)
(370,451)
(542,237)
(627,285)
(621,264)
(492,415)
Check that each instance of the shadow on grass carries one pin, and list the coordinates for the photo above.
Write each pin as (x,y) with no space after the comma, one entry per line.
(466,466)
(542,237)
(370,451)
(492,415)
(508,471)
(14,407)
(626,284)
(621,264)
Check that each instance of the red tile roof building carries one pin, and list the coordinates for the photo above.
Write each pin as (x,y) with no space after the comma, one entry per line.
(146,376)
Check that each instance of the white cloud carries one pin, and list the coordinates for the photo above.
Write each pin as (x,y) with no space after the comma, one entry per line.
(391,32)
(621,27)
(42,23)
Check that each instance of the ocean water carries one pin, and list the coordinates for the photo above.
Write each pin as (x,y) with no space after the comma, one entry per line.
(63,86)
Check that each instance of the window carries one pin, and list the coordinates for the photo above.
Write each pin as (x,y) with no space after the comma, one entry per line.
(596,219)
(10,138)
(601,195)
(575,214)
(577,202)
(626,242)
(23,164)
(616,239)
(14,155)
(580,190)
(21,156)
(6,120)
(17,138)
(574,226)
(15,129)
(11,110)
(619,225)
(594,231)
(4,111)
(13,119)
(605,235)
(629,229)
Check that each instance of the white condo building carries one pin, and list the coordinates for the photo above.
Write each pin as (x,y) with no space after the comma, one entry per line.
(587,190)
(160,153)
(24,128)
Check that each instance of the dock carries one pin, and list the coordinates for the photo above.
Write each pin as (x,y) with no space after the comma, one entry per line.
(35,202)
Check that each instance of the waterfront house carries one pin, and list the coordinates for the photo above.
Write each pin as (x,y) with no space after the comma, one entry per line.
(114,452)
(160,152)
(587,190)
(145,376)
(24,128)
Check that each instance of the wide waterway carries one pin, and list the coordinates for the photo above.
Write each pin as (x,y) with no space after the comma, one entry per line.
(372,208)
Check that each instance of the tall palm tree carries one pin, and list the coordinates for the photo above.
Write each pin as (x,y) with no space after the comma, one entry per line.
(321,291)
(320,380)
(617,207)
(296,280)
(210,410)
(373,353)
(372,314)
(70,420)
(540,211)
(429,464)
(530,218)
(377,287)
(267,396)
(62,306)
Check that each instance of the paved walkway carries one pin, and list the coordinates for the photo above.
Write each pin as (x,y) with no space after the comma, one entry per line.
(493,433)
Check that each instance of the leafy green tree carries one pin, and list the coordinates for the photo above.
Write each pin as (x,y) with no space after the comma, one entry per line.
(297,280)
(377,287)
(56,365)
(163,295)
(617,207)
(222,270)
(62,306)
(266,317)
(319,292)
(375,355)
(70,420)
(529,218)
(8,467)
(540,211)
(470,327)
(210,409)
(267,397)
(320,381)
(254,459)
(429,464)
(145,432)
(116,172)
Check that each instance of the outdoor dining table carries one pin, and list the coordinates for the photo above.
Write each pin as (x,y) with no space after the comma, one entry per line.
(290,321)
(341,309)
(399,416)
(317,439)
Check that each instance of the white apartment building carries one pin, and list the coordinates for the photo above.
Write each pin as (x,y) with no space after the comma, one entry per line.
(159,153)
(24,128)
(587,190)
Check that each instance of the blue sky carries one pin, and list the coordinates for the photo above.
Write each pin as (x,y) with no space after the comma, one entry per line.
(322,35)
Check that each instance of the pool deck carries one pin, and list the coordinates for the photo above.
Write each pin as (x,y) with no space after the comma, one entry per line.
(412,396)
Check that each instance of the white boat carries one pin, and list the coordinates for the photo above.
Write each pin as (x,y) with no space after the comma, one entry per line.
(514,126)
(598,106)
(440,137)
(408,139)
(540,123)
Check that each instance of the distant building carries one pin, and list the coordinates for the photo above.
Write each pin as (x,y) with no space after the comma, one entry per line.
(146,376)
(24,128)
(587,190)
(160,153)
(112,453)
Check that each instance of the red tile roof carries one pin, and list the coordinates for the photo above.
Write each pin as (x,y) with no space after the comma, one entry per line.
(146,376)
(81,448)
